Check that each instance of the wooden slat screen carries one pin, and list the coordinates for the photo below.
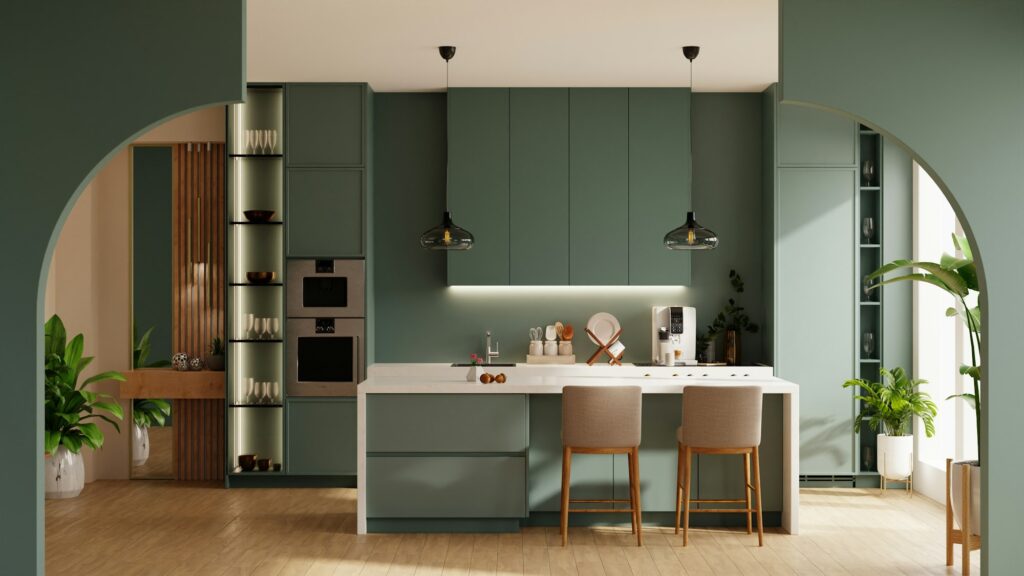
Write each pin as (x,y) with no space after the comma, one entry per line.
(198,299)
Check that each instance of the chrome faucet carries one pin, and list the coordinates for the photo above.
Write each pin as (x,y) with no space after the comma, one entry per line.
(490,353)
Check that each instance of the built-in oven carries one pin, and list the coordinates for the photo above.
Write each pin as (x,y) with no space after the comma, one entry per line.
(325,356)
(326,288)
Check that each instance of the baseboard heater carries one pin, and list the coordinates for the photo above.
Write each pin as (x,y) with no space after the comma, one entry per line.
(829,479)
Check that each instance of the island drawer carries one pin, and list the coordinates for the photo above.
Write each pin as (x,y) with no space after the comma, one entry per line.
(446,487)
(447,423)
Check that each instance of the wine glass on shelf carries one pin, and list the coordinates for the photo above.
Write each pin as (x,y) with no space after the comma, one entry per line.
(266,329)
(868,171)
(250,396)
(868,344)
(273,141)
(275,329)
(265,398)
(248,142)
(276,397)
(867,288)
(868,228)
(250,325)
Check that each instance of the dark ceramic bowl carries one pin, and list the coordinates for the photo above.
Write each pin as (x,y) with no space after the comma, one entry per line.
(259,216)
(277,466)
(247,462)
(260,277)
(263,464)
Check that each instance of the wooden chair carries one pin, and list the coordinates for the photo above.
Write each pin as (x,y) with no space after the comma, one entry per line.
(963,536)
(601,420)
(720,420)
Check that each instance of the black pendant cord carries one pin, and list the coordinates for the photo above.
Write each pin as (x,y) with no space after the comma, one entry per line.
(447,113)
(691,130)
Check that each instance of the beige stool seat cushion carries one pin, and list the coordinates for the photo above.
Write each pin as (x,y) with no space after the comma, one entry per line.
(721,417)
(601,416)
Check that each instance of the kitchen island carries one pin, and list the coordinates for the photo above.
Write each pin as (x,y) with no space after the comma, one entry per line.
(439,453)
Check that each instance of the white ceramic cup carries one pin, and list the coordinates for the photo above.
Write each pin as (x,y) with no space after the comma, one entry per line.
(565,348)
(551,348)
(536,348)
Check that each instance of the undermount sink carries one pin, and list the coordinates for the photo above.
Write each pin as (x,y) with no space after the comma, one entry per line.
(468,364)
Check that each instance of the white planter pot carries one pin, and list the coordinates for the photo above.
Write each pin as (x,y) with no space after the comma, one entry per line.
(140,445)
(895,456)
(65,474)
(474,374)
(957,496)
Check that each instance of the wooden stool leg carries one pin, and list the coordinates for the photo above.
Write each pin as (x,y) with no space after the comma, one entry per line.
(757,492)
(746,487)
(566,473)
(632,508)
(965,517)
(949,517)
(686,496)
(634,482)
(679,486)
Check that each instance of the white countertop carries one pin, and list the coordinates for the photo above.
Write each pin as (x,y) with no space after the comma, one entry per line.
(549,379)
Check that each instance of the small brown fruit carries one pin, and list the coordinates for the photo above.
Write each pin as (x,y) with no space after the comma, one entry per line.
(486,378)
(500,378)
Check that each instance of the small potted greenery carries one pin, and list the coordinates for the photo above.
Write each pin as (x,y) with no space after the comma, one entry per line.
(215,361)
(888,408)
(146,412)
(732,320)
(69,407)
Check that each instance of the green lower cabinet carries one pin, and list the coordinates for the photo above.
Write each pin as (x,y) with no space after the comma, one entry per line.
(446,423)
(463,486)
(326,210)
(321,437)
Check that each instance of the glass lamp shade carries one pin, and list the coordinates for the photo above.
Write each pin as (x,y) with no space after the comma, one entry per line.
(447,236)
(691,236)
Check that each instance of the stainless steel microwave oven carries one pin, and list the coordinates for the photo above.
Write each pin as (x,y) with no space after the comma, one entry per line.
(326,288)
(325,356)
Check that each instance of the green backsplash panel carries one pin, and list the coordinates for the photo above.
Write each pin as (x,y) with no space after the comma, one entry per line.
(420,318)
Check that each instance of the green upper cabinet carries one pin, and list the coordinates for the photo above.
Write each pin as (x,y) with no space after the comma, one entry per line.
(326,213)
(659,183)
(598,186)
(326,124)
(810,137)
(539,186)
(478,188)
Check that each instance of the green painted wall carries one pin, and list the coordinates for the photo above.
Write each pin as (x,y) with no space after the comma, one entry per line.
(945,78)
(419,318)
(151,246)
(67,106)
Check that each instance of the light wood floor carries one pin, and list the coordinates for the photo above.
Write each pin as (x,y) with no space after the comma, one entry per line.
(155,527)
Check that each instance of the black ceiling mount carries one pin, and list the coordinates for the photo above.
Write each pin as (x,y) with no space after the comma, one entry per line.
(689,51)
(447,52)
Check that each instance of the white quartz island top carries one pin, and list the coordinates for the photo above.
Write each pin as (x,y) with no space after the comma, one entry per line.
(548,379)
(437,378)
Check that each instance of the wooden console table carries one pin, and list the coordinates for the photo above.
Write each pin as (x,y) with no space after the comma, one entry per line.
(197,416)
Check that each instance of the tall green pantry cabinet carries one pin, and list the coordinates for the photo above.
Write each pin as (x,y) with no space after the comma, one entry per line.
(816,199)
(315,177)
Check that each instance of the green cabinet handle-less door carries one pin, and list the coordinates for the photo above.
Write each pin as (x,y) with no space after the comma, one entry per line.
(325,212)
(322,437)
(478,148)
(659,184)
(598,186)
(539,186)
(326,124)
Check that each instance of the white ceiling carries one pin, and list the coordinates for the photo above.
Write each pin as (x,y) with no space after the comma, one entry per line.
(392,44)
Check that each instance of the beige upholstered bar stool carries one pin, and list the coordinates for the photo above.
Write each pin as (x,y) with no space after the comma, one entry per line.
(720,420)
(601,420)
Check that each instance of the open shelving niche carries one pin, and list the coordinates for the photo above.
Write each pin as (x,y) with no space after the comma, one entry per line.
(870,305)
(255,182)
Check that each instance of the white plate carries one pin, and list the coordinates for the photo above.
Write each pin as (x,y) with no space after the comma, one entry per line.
(604,326)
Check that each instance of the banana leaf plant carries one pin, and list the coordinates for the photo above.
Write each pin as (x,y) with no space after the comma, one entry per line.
(148,412)
(957,276)
(890,405)
(69,406)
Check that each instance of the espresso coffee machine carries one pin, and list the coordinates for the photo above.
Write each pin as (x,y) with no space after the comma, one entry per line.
(673,335)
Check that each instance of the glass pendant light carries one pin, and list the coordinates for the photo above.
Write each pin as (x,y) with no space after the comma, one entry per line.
(446,236)
(691,235)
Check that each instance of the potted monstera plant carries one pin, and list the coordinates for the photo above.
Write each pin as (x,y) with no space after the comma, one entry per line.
(957,275)
(71,410)
(889,407)
(146,412)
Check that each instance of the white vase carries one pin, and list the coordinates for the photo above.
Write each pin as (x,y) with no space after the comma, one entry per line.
(895,456)
(140,445)
(65,474)
(957,496)
(474,373)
